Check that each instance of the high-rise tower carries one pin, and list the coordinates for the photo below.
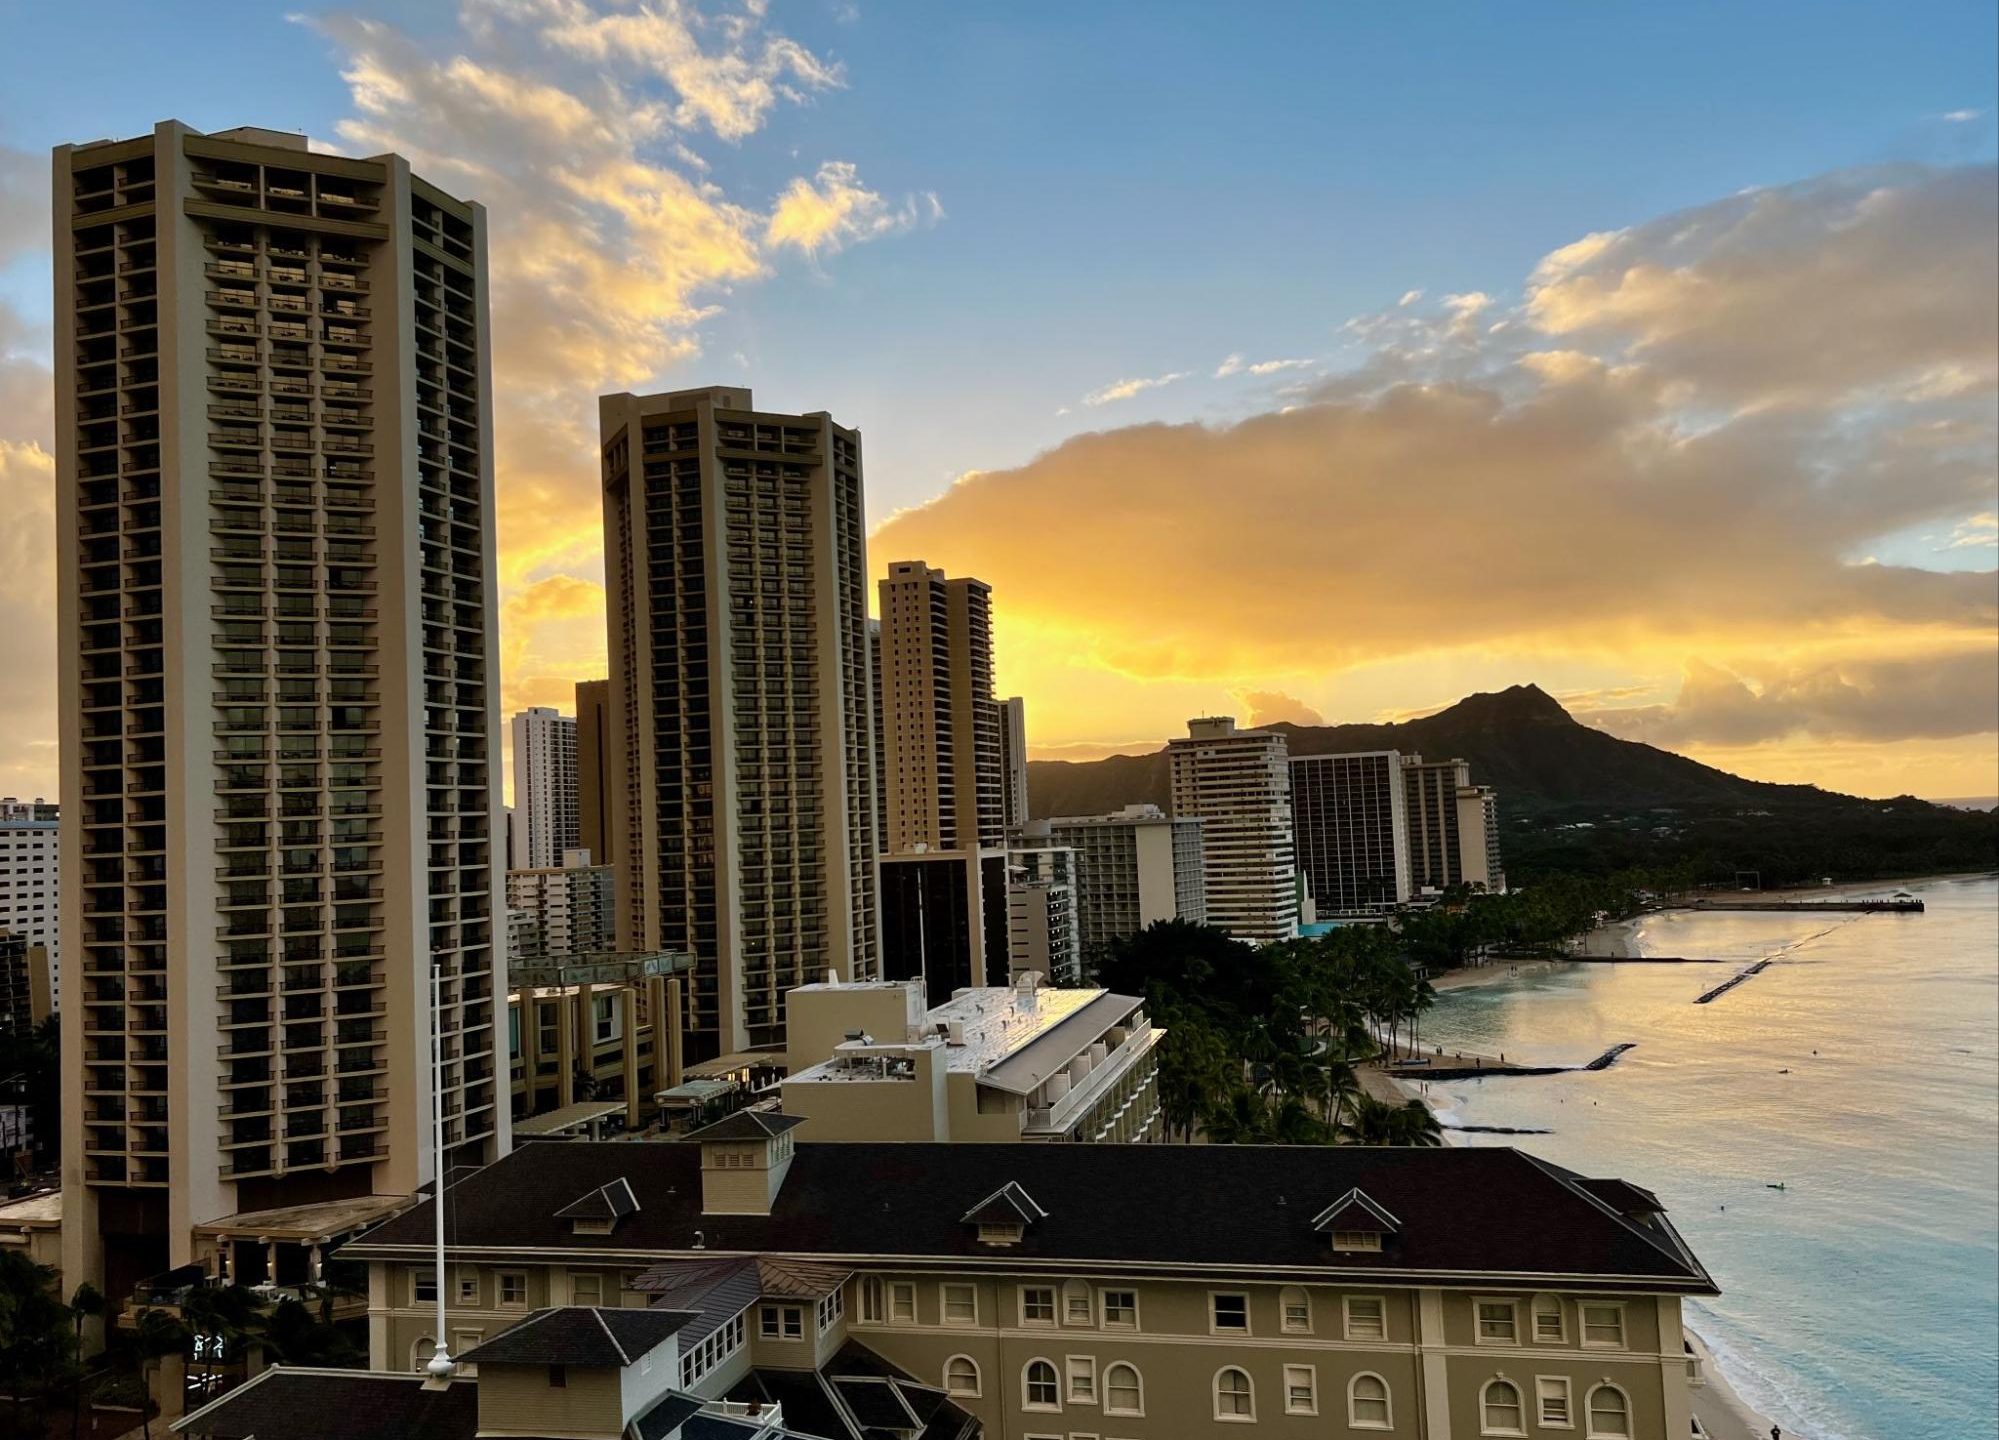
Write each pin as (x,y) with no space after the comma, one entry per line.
(274,471)
(742,794)
(1238,783)
(544,789)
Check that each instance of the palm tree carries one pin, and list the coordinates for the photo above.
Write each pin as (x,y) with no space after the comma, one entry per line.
(1373,1122)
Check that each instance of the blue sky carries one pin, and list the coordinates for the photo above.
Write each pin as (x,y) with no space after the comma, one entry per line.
(1048,200)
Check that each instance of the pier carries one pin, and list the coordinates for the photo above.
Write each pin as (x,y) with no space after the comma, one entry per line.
(1734,980)
(1455,1068)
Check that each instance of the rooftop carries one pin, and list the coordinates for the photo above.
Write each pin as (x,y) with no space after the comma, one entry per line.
(581,1335)
(1461,1215)
(337,1405)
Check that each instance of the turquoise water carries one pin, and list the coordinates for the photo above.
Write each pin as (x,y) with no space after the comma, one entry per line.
(1861,1302)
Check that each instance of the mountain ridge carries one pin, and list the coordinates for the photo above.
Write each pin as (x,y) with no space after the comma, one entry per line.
(1519,740)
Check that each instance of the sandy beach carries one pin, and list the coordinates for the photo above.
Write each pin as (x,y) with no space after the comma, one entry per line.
(1723,1413)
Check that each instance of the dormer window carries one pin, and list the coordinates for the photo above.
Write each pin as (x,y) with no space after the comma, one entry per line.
(1356,1223)
(599,1212)
(1003,1217)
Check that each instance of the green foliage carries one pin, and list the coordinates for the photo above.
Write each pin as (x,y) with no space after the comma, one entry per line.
(1262,1040)
(36,1339)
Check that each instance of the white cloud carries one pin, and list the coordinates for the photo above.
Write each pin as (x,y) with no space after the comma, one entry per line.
(1961,117)
(1409,297)
(1228,367)
(1125,389)
(1977,533)
(833,210)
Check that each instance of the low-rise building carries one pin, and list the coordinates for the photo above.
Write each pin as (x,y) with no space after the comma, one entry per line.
(584,1027)
(567,909)
(31,880)
(1140,1290)
(1134,866)
(869,1061)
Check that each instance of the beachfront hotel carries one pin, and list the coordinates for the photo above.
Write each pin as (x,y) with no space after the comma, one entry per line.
(1134,866)
(1238,784)
(873,1061)
(1453,827)
(741,803)
(1054,1290)
(1351,813)
(275,536)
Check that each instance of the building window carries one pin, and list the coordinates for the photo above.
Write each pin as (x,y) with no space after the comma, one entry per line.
(421,1351)
(558,1377)
(874,1300)
(1228,1314)
(902,1302)
(1037,1305)
(586,1288)
(1124,1391)
(1350,1240)
(1366,1317)
(831,1310)
(1549,1326)
(1004,1232)
(1603,1327)
(961,1304)
(961,1376)
(1367,1403)
(1551,1401)
(1297,1307)
(1499,1411)
(1078,1307)
(1609,1411)
(1235,1395)
(423,1287)
(781,1322)
(468,1288)
(1082,1371)
(1301,1390)
(1120,1309)
(1039,1389)
(513,1286)
(1498,1322)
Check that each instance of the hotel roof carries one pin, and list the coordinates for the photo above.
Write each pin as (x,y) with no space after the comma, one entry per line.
(1462,1215)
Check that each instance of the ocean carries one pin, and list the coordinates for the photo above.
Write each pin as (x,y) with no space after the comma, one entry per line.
(1861,1072)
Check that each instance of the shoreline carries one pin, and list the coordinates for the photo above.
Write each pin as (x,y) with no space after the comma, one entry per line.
(1718,1405)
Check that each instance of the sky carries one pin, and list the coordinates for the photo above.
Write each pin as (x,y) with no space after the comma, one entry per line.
(1333,365)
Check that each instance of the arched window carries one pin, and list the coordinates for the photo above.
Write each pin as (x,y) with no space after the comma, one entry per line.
(961,1376)
(422,1350)
(1609,1411)
(1296,1307)
(1235,1396)
(1549,1327)
(1124,1391)
(1367,1403)
(1499,1409)
(1039,1387)
(1079,1306)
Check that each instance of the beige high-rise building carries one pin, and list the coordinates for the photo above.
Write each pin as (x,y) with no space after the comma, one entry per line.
(544,824)
(1013,764)
(570,908)
(944,889)
(742,803)
(275,529)
(1238,783)
(1043,936)
(593,775)
(1453,827)
(940,723)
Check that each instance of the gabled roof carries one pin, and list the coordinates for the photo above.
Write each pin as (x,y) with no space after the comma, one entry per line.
(1355,1210)
(748,1125)
(581,1335)
(857,1395)
(613,1201)
(302,1404)
(1008,1205)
